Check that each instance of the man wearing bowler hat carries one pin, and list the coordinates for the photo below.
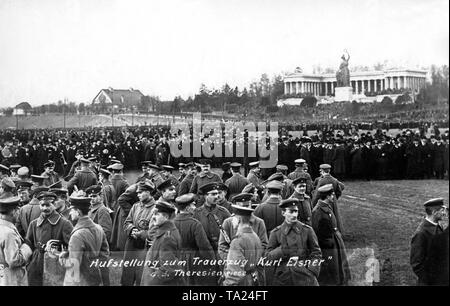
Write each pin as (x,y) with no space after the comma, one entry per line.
(194,242)
(422,238)
(236,182)
(87,245)
(293,243)
(49,230)
(245,251)
(14,252)
(165,250)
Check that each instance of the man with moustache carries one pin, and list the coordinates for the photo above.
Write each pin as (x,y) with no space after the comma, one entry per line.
(61,202)
(98,212)
(203,178)
(293,241)
(49,226)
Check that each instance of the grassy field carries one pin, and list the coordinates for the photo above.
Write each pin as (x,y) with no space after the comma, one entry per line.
(382,216)
(379,219)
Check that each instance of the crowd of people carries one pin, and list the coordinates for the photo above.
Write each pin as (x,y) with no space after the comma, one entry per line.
(68,213)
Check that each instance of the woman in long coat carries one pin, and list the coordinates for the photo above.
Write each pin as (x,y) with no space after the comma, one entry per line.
(335,269)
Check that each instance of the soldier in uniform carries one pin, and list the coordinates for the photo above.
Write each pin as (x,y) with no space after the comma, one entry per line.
(23,191)
(203,178)
(61,202)
(245,248)
(42,233)
(118,181)
(304,201)
(166,174)
(422,238)
(83,178)
(254,175)
(269,210)
(230,225)
(335,270)
(186,183)
(236,182)
(167,191)
(14,253)
(49,174)
(194,242)
(211,215)
(136,226)
(182,172)
(99,213)
(108,191)
(223,197)
(87,245)
(300,172)
(165,250)
(324,179)
(226,171)
(29,212)
(296,245)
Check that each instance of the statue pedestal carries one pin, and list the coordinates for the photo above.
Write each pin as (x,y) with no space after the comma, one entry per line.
(343,94)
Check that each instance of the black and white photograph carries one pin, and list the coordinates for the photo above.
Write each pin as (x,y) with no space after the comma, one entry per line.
(211,145)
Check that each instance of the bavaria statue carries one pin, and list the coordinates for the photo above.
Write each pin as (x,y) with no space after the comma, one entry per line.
(343,74)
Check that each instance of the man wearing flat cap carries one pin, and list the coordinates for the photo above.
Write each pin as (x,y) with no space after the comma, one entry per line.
(421,241)
(166,248)
(236,182)
(211,215)
(136,225)
(83,178)
(99,213)
(87,245)
(245,246)
(49,174)
(7,187)
(293,243)
(14,252)
(335,270)
(49,230)
(203,178)
(231,224)
(269,210)
(300,172)
(194,242)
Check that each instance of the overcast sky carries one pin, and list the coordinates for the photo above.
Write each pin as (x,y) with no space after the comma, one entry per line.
(51,49)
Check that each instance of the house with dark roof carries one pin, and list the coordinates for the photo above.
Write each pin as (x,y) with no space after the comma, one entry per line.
(23,108)
(117,98)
